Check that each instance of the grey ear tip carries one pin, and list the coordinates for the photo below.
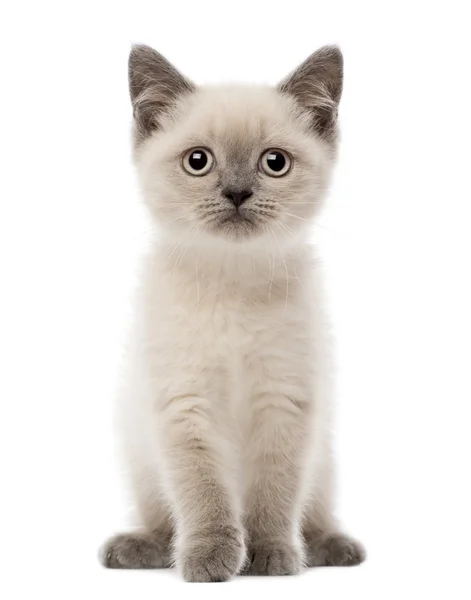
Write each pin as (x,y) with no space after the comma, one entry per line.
(135,52)
(139,50)
(334,48)
(138,46)
(143,52)
(332,51)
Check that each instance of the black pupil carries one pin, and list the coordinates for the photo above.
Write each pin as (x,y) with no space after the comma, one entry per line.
(276,161)
(198,160)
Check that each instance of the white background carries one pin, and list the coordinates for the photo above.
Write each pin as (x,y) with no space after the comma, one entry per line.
(395,240)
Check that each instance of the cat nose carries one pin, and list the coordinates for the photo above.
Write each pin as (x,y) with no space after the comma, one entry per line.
(237,198)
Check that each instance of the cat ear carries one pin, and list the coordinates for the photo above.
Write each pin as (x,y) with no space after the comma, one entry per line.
(154,86)
(317,86)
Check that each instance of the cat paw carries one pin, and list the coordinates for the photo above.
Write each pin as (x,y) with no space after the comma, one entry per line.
(133,551)
(273,557)
(212,556)
(334,550)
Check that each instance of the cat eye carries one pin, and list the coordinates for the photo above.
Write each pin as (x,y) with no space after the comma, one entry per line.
(198,161)
(275,163)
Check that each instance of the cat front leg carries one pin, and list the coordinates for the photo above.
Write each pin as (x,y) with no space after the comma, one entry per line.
(209,542)
(277,452)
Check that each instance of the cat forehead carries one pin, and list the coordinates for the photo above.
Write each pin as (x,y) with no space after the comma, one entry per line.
(238,116)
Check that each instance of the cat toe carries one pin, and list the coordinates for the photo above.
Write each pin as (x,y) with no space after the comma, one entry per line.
(273,558)
(132,551)
(335,550)
(214,556)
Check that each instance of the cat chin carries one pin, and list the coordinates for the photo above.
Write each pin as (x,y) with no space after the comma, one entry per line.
(237,229)
(224,239)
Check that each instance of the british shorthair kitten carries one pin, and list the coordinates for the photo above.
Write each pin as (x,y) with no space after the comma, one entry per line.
(225,408)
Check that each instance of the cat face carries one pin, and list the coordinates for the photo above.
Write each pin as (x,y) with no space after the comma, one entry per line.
(236,162)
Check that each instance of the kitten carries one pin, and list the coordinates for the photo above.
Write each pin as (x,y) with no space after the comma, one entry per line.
(225,409)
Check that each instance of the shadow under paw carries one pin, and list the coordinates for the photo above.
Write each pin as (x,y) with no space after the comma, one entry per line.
(134,551)
(334,550)
(273,558)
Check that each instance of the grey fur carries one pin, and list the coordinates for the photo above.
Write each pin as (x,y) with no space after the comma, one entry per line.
(154,86)
(212,555)
(317,86)
(273,557)
(332,550)
(136,551)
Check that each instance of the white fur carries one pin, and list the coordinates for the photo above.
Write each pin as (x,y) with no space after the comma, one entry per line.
(229,343)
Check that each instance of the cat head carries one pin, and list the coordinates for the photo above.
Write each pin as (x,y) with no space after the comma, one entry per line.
(234,163)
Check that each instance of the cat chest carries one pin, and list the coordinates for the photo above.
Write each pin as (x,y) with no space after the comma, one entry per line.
(232,331)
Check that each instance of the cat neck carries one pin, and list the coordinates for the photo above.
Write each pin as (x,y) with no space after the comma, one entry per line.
(243,263)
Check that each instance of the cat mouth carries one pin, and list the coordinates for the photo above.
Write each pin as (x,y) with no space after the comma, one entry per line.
(236,224)
(236,217)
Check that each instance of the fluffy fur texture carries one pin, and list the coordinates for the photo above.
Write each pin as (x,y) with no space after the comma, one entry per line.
(226,403)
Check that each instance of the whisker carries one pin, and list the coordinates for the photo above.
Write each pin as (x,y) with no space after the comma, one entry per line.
(290,232)
(291,215)
(190,227)
(197,279)
(183,252)
(296,274)
(175,219)
(286,268)
(271,264)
